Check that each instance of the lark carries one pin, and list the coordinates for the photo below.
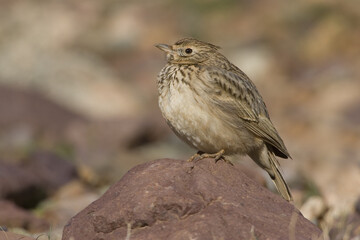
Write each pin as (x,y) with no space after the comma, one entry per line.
(214,107)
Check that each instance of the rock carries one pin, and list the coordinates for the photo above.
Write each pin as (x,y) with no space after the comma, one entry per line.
(53,171)
(171,199)
(12,216)
(13,236)
(19,186)
(40,175)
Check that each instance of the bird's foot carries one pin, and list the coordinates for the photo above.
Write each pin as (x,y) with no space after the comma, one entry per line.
(196,156)
(217,156)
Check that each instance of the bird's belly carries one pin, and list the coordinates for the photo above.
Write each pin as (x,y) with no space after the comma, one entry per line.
(193,121)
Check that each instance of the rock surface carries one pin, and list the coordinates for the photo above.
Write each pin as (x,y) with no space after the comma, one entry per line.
(170,199)
(12,216)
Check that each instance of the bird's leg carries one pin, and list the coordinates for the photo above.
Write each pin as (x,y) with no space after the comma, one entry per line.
(195,156)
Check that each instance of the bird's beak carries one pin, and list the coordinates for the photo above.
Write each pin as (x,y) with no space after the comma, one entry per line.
(164,47)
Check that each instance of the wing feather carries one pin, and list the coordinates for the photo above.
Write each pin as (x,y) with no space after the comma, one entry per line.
(239,96)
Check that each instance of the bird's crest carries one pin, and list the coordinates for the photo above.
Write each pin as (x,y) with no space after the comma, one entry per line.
(198,43)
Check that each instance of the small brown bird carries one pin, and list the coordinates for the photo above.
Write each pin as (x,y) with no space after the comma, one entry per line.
(214,107)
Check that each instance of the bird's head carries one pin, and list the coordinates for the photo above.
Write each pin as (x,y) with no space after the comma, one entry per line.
(188,51)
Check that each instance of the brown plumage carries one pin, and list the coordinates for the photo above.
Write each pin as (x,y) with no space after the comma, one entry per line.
(213,106)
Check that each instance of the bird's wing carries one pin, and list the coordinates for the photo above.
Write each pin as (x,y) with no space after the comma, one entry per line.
(239,97)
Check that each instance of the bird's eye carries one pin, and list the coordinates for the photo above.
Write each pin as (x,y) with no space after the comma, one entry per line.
(188,50)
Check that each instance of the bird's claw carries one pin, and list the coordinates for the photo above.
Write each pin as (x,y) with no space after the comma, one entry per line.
(217,156)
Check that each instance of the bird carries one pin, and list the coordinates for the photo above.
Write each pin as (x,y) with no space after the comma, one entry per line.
(214,107)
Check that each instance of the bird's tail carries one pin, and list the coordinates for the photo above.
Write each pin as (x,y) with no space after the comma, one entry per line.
(278,179)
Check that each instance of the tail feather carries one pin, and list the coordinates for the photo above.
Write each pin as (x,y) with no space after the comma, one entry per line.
(278,179)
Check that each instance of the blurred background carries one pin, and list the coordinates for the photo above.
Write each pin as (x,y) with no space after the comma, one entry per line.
(78,98)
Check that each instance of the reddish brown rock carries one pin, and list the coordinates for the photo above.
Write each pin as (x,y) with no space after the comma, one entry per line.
(52,170)
(39,176)
(172,199)
(13,236)
(12,216)
(16,181)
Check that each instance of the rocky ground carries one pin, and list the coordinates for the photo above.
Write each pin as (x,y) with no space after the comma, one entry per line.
(78,100)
